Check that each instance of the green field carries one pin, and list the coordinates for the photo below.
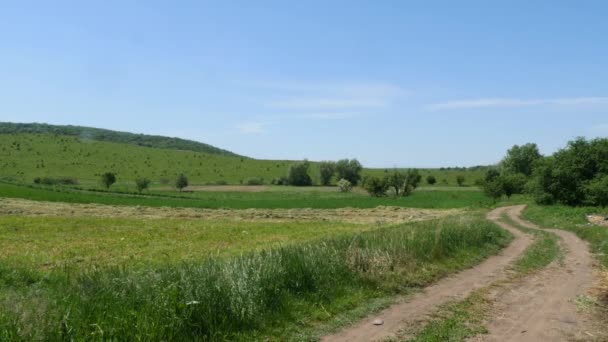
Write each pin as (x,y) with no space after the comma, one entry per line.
(274,293)
(26,156)
(242,200)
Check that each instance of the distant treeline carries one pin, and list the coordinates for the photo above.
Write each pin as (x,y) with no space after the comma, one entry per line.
(113,136)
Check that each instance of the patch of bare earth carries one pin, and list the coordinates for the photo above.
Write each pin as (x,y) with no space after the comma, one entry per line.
(379,215)
(419,307)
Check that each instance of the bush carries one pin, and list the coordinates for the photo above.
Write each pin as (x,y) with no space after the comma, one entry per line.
(376,186)
(349,170)
(221,182)
(254,181)
(460,180)
(181,182)
(597,191)
(56,181)
(142,184)
(298,174)
(107,179)
(344,185)
(431,180)
(494,189)
(280,181)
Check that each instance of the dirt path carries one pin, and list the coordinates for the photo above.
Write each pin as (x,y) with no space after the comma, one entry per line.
(542,307)
(454,287)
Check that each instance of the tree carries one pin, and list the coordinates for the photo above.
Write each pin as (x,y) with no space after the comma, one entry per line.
(181,182)
(326,171)
(413,178)
(460,180)
(344,185)
(491,175)
(142,183)
(521,159)
(512,183)
(376,186)
(349,170)
(396,180)
(431,180)
(298,174)
(107,179)
(493,189)
(597,191)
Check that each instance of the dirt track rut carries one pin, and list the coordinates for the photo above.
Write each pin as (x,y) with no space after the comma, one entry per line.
(540,307)
(455,287)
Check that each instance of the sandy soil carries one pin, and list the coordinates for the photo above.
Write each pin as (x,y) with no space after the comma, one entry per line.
(458,286)
(379,215)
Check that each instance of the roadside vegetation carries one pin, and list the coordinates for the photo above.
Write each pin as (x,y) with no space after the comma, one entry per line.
(269,293)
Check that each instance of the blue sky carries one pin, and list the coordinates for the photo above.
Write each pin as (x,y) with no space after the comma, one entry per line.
(393,83)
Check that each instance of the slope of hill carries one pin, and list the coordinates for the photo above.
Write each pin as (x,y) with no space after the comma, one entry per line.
(99,134)
(24,156)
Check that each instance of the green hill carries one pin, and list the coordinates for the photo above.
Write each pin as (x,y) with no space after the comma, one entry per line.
(25,156)
(98,134)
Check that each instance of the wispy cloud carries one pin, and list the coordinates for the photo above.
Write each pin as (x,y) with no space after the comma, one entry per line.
(515,102)
(307,103)
(251,127)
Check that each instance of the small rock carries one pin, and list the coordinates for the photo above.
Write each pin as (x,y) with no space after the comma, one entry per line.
(378,322)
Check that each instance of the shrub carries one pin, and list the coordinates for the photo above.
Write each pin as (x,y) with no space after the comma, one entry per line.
(107,179)
(460,180)
(376,186)
(37,180)
(344,185)
(494,189)
(326,171)
(298,174)
(280,181)
(221,182)
(349,170)
(431,180)
(254,181)
(597,191)
(181,182)
(142,183)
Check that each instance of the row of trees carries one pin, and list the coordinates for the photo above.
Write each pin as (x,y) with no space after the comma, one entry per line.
(347,169)
(575,175)
(402,183)
(141,183)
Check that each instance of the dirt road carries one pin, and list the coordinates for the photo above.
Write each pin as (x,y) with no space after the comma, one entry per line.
(458,286)
(541,307)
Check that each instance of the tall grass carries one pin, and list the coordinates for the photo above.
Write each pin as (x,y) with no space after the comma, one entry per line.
(251,296)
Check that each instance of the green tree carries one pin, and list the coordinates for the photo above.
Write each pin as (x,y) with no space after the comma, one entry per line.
(512,183)
(326,171)
(494,189)
(349,170)
(597,191)
(491,175)
(298,174)
(107,179)
(376,186)
(344,185)
(460,179)
(142,183)
(521,159)
(431,180)
(396,180)
(181,182)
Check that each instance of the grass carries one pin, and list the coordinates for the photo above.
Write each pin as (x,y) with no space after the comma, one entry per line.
(85,242)
(274,293)
(26,156)
(462,320)
(244,200)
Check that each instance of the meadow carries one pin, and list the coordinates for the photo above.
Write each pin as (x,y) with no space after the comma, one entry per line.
(293,198)
(274,293)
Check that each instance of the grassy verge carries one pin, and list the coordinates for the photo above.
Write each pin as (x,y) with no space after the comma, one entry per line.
(461,320)
(271,294)
(244,200)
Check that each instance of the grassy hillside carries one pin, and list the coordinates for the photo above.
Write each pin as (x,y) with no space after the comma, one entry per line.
(99,134)
(25,156)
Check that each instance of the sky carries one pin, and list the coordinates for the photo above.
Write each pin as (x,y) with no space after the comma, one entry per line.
(392,83)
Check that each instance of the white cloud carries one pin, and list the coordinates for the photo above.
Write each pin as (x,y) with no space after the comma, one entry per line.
(514,102)
(251,127)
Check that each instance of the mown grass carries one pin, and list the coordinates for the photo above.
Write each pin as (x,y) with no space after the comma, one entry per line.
(270,294)
(244,200)
(459,321)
